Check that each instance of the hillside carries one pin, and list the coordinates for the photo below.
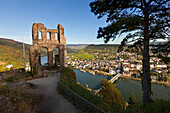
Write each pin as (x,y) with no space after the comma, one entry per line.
(12,43)
(72,48)
(103,46)
(11,52)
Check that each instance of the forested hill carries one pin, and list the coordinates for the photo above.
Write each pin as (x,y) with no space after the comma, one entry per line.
(11,52)
(103,46)
(13,43)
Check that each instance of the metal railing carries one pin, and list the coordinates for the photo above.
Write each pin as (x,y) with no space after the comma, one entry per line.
(80,101)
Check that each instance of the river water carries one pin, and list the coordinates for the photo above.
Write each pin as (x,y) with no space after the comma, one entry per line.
(125,86)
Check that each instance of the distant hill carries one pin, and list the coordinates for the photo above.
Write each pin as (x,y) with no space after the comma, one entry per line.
(72,48)
(13,43)
(77,44)
(112,46)
(103,46)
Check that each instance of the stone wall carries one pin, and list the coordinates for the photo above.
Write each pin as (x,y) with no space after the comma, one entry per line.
(50,44)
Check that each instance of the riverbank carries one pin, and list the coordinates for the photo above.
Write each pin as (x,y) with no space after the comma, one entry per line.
(153,82)
(127,77)
(94,72)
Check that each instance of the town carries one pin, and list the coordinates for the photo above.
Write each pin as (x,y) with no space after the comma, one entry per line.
(107,62)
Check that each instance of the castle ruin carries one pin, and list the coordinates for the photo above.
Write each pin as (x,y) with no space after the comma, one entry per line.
(56,40)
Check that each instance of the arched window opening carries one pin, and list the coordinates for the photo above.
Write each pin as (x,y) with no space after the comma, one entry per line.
(56,56)
(39,35)
(56,36)
(44,56)
(48,35)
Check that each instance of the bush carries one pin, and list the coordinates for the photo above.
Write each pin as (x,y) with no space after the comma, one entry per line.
(156,106)
(11,79)
(68,74)
(132,99)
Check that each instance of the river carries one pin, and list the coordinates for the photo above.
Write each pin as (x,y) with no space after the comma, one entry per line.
(125,86)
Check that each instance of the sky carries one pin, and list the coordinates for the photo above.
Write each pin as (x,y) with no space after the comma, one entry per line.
(80,24)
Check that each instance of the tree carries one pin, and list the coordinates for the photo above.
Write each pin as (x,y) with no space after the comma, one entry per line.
(109,94)
(132,99)
(162,51)
(141,21)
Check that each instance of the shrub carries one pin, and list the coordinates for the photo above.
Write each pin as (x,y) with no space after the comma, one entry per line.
(132,99)
(158,106)
(68,74)
(11,79)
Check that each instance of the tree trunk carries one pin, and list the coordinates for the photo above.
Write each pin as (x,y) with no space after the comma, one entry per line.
(146,83)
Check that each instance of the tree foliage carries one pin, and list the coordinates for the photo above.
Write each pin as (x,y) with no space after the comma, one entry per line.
(132,99)
(109,94)
(162,51)
(129,15)
(141,21)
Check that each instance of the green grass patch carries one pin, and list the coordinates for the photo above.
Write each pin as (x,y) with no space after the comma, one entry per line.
(82,56)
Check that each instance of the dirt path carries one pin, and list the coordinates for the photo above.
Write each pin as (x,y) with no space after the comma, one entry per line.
(52,101)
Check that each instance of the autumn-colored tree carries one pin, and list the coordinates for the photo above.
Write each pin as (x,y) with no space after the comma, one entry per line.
(132,99)
(111,96)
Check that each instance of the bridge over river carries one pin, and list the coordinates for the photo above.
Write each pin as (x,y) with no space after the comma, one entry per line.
(112,80)
(115,78)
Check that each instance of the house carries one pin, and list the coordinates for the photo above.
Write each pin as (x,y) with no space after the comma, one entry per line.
(126,73)
(112,72)
(138,67)
(153,77)
(9,66)
(152,66)
(132,65)
(126,68)
(161,66)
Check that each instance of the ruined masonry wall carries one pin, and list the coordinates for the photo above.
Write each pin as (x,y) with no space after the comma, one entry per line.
(50,44)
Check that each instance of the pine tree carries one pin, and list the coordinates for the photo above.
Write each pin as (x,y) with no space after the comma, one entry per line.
(141,20)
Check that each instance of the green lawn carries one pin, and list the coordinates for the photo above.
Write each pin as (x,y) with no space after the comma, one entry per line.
(82,55)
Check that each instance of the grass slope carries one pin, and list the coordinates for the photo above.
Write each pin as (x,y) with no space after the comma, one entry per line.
(81,55)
